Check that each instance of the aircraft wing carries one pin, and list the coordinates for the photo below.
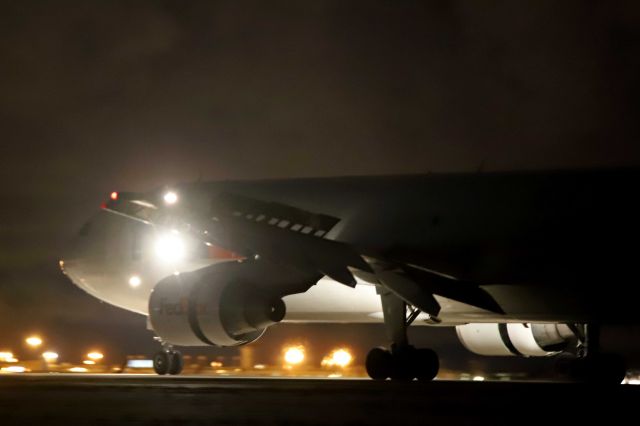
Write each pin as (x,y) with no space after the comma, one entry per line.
(287,235)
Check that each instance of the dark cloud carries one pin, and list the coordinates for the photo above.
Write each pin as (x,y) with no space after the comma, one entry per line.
(103,95)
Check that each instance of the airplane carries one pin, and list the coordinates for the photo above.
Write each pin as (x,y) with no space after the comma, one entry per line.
(527,264)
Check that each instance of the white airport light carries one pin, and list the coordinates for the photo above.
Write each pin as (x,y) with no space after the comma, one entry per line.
(7,357)
(135,281)
(33,341)
(78,370)
(170,197)
(95,356)
(478,378)
(140,363)
(88,362)
(14,369)
(294,355)
(169,247)
(50,356)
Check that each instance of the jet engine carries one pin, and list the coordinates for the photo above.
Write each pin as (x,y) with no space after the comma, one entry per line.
(218,305)
(514,339)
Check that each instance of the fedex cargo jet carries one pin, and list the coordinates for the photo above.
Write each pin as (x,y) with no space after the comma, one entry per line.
(522,264)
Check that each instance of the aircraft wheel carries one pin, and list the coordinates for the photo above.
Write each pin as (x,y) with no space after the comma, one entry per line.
(404,364)
(426,364)
(176,364)
(379,364)
(599,369)
(161,362)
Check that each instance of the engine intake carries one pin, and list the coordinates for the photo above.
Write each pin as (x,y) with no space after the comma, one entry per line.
(215,306)
(514,339)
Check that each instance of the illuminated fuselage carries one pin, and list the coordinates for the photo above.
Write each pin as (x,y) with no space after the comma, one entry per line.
(546,246)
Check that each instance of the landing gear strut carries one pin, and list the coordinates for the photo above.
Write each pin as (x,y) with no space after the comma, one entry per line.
(168,361)
(590,364)
(402,361)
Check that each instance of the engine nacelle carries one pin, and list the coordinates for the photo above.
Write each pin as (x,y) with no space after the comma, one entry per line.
(215,306)
(513,339)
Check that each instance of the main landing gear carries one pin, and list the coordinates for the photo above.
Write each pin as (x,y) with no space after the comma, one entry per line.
(168,361)
(402,361)
(591,365)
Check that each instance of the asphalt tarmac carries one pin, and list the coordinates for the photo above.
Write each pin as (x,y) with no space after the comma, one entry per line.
(58,399)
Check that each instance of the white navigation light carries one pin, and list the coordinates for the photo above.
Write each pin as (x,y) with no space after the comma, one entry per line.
(170,248)
(170,197)
(134,281)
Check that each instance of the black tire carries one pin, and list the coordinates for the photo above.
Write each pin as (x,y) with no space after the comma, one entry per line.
(564,365)
(404,364)
(426,364)
(599,369)
(177,363)
(161,362)
(379,364)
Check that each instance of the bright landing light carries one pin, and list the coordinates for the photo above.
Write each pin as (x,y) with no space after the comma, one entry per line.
(169,247)
(294,355)
(135,281)
(170,197)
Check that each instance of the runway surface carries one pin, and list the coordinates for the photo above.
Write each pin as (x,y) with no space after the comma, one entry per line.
(129,399)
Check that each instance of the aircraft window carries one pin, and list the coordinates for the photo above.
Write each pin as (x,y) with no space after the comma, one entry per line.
(85,230)
(283,224)
(237,214)
(260,218)
(306,229)
(296,227)
(273,221)
(249,216)
(319,233)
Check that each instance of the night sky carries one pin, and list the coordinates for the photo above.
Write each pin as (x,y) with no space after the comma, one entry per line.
(104,95)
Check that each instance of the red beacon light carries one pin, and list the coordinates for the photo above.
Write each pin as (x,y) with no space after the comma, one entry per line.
(112,197)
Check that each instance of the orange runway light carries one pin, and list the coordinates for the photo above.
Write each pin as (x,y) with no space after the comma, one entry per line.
(337,358)
(95,356)
(294,355)
(33,341)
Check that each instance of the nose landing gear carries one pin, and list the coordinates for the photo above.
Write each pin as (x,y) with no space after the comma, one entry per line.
(402,361)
